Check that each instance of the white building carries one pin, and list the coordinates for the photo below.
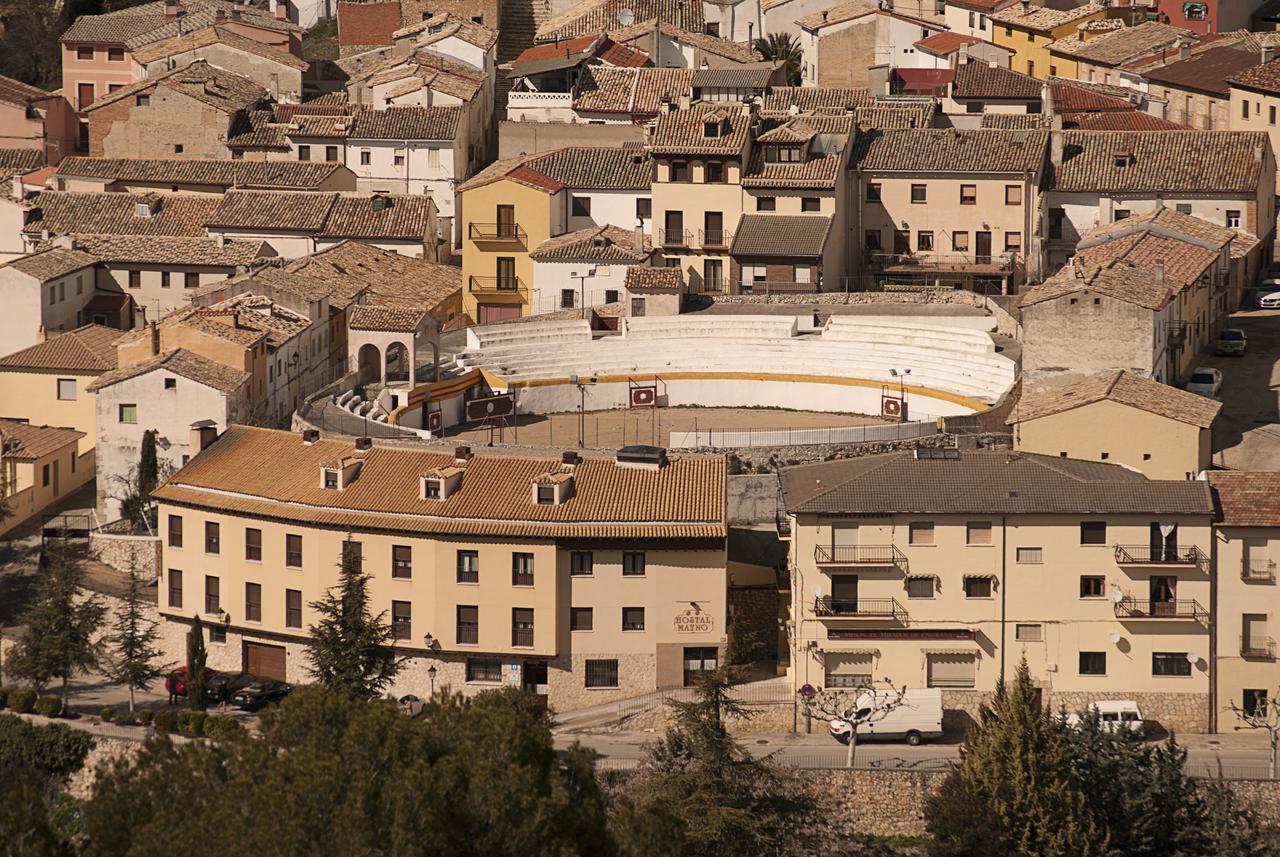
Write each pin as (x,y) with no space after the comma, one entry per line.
(586,267)
(410,150)
(43,294)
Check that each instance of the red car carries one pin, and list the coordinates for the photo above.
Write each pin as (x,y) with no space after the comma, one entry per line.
(176,682)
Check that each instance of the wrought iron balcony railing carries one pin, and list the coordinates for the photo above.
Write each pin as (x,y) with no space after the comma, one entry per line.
(1160,555)
(887,555)
(1258,570)
(717,238)
(859,608)
(502,232)
(1141,608)
(1263,648)
(675,237)
(498,286)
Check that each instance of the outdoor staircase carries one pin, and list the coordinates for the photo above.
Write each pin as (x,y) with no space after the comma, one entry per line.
(519,23)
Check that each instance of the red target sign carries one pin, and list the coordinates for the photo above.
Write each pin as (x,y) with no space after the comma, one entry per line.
(491,407)
(644,397)
(893,408)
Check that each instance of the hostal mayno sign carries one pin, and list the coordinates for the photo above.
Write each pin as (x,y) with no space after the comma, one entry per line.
(693,621)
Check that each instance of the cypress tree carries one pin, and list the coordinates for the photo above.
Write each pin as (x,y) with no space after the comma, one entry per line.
(197,687)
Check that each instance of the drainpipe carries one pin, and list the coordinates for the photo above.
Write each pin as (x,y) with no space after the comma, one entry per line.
(1213,631)
(1004,588)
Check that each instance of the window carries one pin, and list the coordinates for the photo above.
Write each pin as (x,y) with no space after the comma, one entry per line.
(522,569)
(304,153)
(212,596)
(968,194)
(191,281)
(920,533)
(977,533)
(468,566)
(129,414)
(581,206)
(177,148)
(1271,114)
(143,101)
(611,296)
(293,608)
(53,295)
(713,172)
(920,587)
(644,209)
(1028,633)
(401,620)
(1092,585)
(919,194)
(924,241)
(366,157)
(1182,208)
(601,673)
(1093,532)
(871,240)
(566,302)
(431,489)
(1254,701)
(1030,555)
(633,618)
(679,171)
(960,242)
(810,203)
(1233,219)
(484,669)
(212,537)
(1093,663)
(401,562)
(175,588)
(1170,664)
(546,495)
(977,587)
(293,550)
(1244,109)
(164,279)
(1013,242)
(873,193)
(83,53)
(521,626)
(253,602)
(468,625)
(175,531)
(581,563)
(253,544)
(1056,217)
(67,389)
(135,282)
(331,153)
(1121,214)
(951,670)
(633,564)
(1013,194)
(217,634)
(44,478)
(580,619)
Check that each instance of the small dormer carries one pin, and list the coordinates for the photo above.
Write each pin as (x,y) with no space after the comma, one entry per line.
(553,488)
(441,483)
(1123,158)
(146,206)
(338,475)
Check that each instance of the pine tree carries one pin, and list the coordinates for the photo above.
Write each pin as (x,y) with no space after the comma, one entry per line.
(197,686)
(133,643)
(350,648)
(61,625)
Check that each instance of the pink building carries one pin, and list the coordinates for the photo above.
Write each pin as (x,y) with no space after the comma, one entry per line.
(1207,16)
(31,118)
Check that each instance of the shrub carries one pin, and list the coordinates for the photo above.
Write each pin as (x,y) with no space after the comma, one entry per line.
(49,706)
(108,714)
(191,723)
(54,748)
(127,718)
(166,720)
(222,728)
(22,701)
(4,696)
(145,716)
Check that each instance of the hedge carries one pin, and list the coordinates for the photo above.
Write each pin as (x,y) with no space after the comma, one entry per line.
(221,728)
(4,696)
(191,723)
(145,716)
(108,714)
(53,748)
(49,706)
(166,720)
(22,701)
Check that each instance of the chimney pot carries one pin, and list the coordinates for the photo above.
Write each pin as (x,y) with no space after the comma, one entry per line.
(310,436)
(155,339)
(569,457)
(462,453)
(364,444)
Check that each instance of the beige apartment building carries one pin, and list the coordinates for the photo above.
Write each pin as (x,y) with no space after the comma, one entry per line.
(585,579)
(943,569)
(39,466)
(1255,100)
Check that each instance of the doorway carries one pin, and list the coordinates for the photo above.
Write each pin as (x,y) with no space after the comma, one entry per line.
(698,660)
(1164,595)
(1164,542)
(533,677)
(506,222)
(844,593)
(982,248)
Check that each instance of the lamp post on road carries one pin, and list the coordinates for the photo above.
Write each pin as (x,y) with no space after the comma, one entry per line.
(582,384)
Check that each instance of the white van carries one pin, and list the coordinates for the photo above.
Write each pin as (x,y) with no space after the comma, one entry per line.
(1115,714)
(917,719)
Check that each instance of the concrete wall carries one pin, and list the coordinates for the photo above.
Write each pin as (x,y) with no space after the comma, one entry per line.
(1063,339)
(527,138)
(32,396)
(34,310)
(152,296)
(172,120)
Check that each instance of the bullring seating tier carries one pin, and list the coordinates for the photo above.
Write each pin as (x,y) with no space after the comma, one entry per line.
(953,360)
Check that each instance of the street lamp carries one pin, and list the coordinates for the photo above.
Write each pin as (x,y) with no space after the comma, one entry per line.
(582,384)
(431,674)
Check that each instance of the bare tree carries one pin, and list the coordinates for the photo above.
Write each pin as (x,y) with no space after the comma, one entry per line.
(855,707)
(1264,715)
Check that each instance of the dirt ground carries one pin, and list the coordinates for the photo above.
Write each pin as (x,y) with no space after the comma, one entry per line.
(614,428)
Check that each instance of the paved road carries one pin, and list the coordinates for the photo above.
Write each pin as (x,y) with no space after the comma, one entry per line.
(1247,436)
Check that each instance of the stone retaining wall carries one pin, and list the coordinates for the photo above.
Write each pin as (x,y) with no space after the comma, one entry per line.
(123,552)
(104,752)
(1179,713)
(765,459)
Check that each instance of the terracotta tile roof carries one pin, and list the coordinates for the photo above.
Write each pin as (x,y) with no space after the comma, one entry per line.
(1246,499)
(1131,120)
(1165,221)
(1043,19)
(161,250)
(1119,386)
(987,482)
(574,50)
(603,244)
(63,212)
(980,80)
(645,279)
(943,44)
(1209,72)
(403,217)
(1184,262)
(407,123)
(216,35)
(1167,161)
(623,56)
(179,361)
(272,210)
(234,320)
(297,175)
(813,99)
(638,91)
(1124,45)
(580,168)
(914,114)
(1259,78)
(221,90)
(140,25)
(367,23)
(89,349)
(798,236)
(21,160)
(981,5)
(820,171)
(596,16)
(838,14)
(1120,280)
(683,132)
(735,77)
(25,442)
(445,25)
(257,129)
(1015,121)
(951,150)
(19,93)
(396,319)
(385,277)
(52,263)
(1069,98)
(263,472)
(714,45)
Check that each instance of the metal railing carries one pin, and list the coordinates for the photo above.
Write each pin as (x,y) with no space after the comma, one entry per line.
(1160,555)
(1129,607)
(870,608)
(498,285)
(738,438)
(859,555)
(719,238)
(1258,570)
(1257,647)
(522,636)
(675,237)
(929,260)
(770,287)
(469,633)
(496,232)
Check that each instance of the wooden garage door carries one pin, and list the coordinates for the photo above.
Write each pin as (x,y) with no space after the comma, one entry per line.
(489,313)
(264,661)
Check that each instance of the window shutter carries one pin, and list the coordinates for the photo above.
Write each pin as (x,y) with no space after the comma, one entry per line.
(952,670)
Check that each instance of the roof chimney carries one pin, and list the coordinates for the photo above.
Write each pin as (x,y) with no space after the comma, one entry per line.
(310,436)
(1159,270)
(639,239)
(280,10)
(1268,53)
(364,444)
(462,454)
(219,15)
(170,10)
(569,458)
(1056,145)
(1026,6)
(155,339)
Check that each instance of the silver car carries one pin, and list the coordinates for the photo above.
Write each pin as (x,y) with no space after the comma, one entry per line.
(1205,381)
(1231,342)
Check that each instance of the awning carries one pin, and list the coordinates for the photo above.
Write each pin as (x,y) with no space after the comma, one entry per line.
(851,653)
(967,652)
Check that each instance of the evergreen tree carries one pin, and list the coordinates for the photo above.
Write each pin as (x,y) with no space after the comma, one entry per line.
(350,648)
(197,657)
(61,624)
(148,468)
(133,643)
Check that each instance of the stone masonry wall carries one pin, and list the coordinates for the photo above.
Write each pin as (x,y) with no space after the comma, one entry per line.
(765,459)
(753,614)
(1179,713)
(122,552)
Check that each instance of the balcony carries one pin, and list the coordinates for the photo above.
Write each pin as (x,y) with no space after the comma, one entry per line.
(717,239)
(522,637)
(497,233)
(516,98)
(675,237)
(498,286)
(859,608)
(1258,570)
(1129,607)
(1160,555)
(468,633)
(881,555)
(1261,648)
(779,287)
(941,263)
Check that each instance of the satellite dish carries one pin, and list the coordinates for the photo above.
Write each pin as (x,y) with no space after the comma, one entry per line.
(1192,658)
(1114,637)
(817,592)
(1116,596)
(626,17)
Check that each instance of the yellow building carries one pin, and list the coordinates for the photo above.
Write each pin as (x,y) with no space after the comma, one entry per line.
(1120,417)
(39,465)
(584,579)
(945,572)
(1028,31)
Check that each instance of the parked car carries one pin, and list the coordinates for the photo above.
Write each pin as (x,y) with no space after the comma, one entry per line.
(1115,715)
(1205,382)
(176,682)
(918,718)
(260,692)
(1269,299)
(226,685)
(1231,342)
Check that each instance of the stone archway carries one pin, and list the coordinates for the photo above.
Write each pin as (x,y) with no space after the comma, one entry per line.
(398,366)
(369,364)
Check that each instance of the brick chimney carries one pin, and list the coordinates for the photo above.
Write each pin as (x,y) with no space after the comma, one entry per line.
(280,10)
(155,339)
(170,10)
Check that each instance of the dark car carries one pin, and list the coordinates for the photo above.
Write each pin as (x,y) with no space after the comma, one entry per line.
(223,686)
(260,692)
(176,682)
